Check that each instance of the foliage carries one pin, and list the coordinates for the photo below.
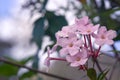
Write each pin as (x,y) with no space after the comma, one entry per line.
(91,73)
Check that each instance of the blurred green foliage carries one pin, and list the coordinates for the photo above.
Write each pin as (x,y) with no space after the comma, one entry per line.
(7,70)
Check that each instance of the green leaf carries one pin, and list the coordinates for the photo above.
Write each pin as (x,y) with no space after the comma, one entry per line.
(44,4)
(8,70)
(55,23)
(38,31)
(35,64)
(27,75)
(115,51)
(91,73)
(102,75)
(23,61)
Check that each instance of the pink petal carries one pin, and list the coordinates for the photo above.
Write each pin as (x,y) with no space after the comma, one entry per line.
(73,51)
(86,19)
(78,43)
(63,51)
(95,28)
(82,21)
(109,42)
(62,42)
(84,53)
(94,35)
(99,42)
(74,64)
(47,62)
(54,48)
(111,34)
(102,29)
(70,58)
(78,63)
(83,61)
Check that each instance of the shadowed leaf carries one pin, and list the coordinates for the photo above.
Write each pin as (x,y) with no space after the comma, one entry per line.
(38,31)
(91,73)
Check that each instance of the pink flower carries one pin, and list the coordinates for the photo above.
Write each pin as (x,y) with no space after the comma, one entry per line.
(78,59)
(88,29)
(72,48)
(105,37)
(64,36)
(76,44)
(47,60)
(82,21)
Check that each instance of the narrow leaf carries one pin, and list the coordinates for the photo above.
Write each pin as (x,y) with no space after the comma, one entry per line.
(91,73)
(102,75)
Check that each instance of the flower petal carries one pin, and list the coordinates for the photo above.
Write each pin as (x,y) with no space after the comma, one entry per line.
(111,34)
(100,42)
(47,62)
(73,51)
(63,51)
(109,42)
(70,58)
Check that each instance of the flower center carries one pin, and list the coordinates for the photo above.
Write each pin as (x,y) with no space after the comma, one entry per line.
(78,59)
(70,45)
(88,31)
(103,37)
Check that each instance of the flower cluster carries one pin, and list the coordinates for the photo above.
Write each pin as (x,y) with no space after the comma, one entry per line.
(76,42)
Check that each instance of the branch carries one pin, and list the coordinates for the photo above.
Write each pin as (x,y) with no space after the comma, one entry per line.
(31,69)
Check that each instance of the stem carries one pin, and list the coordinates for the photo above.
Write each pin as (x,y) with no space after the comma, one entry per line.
(97,64)
(97,52)
(116,54)
(31,69)
(60,59)
(85,41)
(90,43)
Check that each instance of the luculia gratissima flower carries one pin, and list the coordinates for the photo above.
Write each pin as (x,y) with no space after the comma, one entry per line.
(76,42)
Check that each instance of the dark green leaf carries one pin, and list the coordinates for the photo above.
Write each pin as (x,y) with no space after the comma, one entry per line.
(116,1)
(115,51)
(27,75)
(55,23)
(8,70)
(35,64)
(38,31)
(26,60)
(91,73)
(102,75)
(44,4)
(23,61)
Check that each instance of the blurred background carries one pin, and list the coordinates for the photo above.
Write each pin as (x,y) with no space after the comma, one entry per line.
(28,26)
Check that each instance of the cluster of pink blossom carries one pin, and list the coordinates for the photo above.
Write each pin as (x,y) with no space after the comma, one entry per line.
(76,44)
